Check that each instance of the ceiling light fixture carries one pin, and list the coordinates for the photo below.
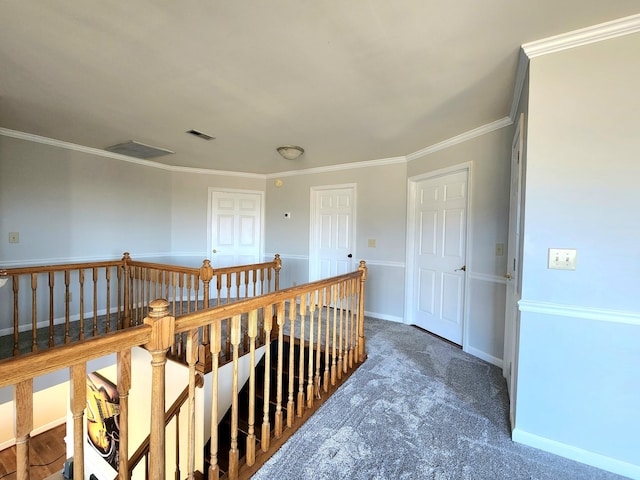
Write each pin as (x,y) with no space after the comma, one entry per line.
(290,152)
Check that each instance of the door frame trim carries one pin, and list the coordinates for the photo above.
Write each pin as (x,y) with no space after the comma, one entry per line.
(211,191)
(410,242)
(312,212)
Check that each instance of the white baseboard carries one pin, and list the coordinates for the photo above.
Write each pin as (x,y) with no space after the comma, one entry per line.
(36,431)
(382,316)
(579,455)
(484,356)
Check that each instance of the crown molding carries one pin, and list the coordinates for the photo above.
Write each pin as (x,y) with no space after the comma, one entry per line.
(584,36)
(463,137)
(124,158)
(343,166)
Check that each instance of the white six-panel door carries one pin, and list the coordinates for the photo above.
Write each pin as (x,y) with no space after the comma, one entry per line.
(236,227)
(332,231)
(513,293)
(439,221)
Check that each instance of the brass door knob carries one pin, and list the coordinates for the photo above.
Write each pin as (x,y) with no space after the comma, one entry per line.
(508,276)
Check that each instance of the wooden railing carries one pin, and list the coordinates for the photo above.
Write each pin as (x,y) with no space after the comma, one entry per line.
(60,304)
(327,318)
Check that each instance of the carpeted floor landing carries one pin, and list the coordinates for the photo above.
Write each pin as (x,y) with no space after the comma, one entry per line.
(418,408)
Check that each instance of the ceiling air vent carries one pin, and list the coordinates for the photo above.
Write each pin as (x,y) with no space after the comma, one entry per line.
(138,150)
(201,135)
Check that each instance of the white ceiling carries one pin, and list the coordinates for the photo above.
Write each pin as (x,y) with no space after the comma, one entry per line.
(347,80)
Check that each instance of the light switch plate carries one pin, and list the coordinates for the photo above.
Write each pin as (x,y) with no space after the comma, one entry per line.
(562,258)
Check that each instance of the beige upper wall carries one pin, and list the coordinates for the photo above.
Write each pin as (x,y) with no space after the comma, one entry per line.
(190,209)
(380,205)
(69,204)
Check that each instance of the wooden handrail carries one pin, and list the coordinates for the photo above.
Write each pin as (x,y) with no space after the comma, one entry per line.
(7,272)
(31,365)
(339,335)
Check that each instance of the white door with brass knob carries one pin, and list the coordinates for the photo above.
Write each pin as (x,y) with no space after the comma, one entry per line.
(235,227)
(332,246)
(437,254)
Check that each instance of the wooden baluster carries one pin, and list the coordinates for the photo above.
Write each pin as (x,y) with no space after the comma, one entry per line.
(361,339)
(262,292)
(192,359)
(181,290)
(280,322)
(245,332)
(23,398)
(167,287)
(189,277)
(173,297)
(108,299)
(227,350)
(216,334)
(254,279)
(327,344)
(119,307)
(218,289)
(95,301)
(124,385)
(34,312)
(312,310)
(67,326)
(269,279)
(340,307)
(162,333)
(334,357)
(353,351)
(348,352)
(51,285)
(345,329)
(78,401)
(301,365)
(196,293)
(177,444)
(148,276)
(251,437)
(81,307)
(233,451)
(266,426)
(126,269)
(316,381)
(292,336)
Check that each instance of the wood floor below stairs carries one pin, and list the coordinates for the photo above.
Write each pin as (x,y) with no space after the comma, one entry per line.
(47,456)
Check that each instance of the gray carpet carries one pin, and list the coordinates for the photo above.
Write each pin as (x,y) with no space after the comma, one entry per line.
(418,408)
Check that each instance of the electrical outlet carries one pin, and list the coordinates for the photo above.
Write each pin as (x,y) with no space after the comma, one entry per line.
(372,243)
(14,237)
(499,249)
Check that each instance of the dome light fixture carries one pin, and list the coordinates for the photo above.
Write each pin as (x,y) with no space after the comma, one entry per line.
(290,152)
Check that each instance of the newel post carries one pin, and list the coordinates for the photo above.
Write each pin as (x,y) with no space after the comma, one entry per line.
(206,274)
(163,328)
(126,322)
(361,339)
(278,265)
